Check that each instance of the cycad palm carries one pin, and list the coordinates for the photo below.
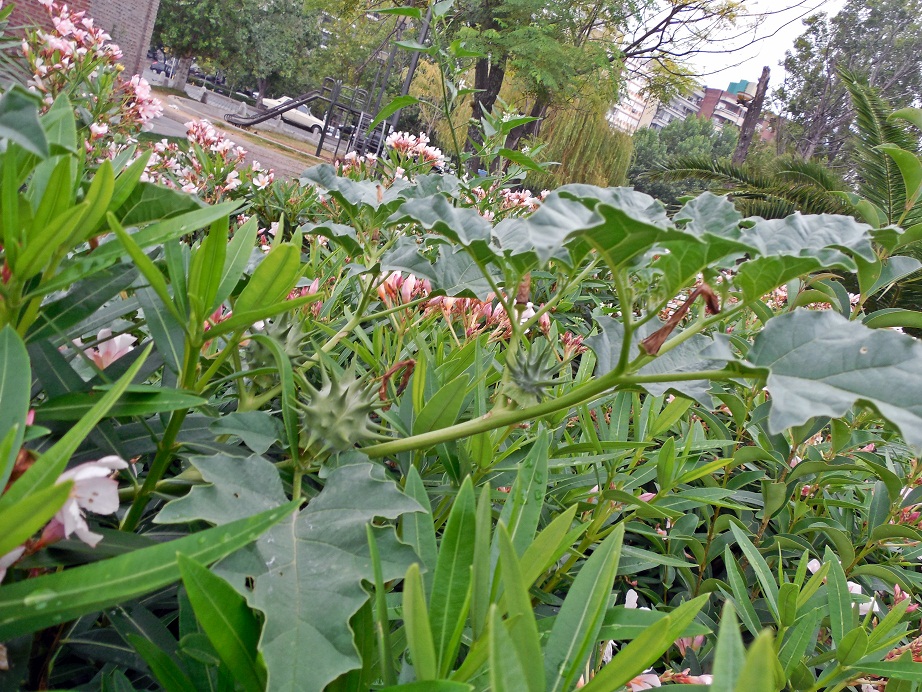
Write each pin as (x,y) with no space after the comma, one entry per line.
(873,191)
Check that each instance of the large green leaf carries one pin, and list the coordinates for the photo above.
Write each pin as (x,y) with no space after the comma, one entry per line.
(821,364)
(308,571)
(463,225)
(33,604)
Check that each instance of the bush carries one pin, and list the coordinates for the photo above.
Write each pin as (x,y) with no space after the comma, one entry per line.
(436,434)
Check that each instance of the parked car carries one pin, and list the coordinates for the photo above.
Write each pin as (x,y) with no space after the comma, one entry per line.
(300,116)
(159,67)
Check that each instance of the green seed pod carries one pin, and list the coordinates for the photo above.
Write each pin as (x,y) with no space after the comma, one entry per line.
(338,415)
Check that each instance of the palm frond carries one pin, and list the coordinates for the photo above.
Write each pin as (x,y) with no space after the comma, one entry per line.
(879,178)
(792,186)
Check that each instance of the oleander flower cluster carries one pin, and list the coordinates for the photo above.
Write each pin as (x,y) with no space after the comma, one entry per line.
(207,164)
(78,59)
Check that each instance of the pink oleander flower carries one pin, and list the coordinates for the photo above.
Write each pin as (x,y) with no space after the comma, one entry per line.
(686,643)
(644,681)
(95,491)
(97,130)
(233,181)
(10,559)
(110,348)
(684,678)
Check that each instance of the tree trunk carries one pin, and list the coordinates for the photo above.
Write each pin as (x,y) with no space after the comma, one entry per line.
(753,114)
(538,110)
(488,80)
(181,75)
(261,83)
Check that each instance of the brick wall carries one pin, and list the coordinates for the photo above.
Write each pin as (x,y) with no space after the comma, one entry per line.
(130,22)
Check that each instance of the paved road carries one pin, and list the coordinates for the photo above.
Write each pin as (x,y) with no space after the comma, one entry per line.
(178,110)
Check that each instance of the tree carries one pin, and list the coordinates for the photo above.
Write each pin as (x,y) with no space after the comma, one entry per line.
(880,40)
(556,46)
(192,29)
(690,138)
(273,40)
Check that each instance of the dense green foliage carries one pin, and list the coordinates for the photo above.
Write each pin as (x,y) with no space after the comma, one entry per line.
(585,148)
(878,40)
(383,427)
(690,138)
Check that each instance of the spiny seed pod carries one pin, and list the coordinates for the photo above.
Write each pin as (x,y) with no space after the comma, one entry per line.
(337,416)
(533,371)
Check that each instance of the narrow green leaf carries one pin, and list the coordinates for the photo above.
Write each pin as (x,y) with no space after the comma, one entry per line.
(443,408)
(507,669)
(522,509)
(580,618)
(741,597)
(552,542)
(417,528)
(523,629)
(482,577)
(235,261)
(228,621)
(289,402)
(30,514)
(760,567)
(451,584)
(395,105)
(273,279)
(416,620)
(51,464)
(207,268)
(641,653)
(760,672)
(168,673)
(853,647)
(797,640)
(15,387)
(729,654)
(33,604)
(147,268)
(841,616)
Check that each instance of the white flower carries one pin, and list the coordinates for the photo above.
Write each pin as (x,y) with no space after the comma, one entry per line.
(814,566)
(233,181)
(94,490)
(9,559)
(110,349)
(262,181)
(527,313)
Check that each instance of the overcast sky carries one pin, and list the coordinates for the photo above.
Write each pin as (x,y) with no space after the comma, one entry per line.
(777,33)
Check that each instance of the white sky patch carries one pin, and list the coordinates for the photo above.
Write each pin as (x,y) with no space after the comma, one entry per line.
(769,41)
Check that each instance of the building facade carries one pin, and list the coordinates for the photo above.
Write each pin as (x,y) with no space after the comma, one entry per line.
(130,22)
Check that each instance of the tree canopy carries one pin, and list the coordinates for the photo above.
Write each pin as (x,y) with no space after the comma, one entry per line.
(692,137)
(879,40)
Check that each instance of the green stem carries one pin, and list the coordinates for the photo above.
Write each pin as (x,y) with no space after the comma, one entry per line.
(494,420)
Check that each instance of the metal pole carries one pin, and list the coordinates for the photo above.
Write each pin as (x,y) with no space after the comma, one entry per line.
(333,98)
(414,61)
